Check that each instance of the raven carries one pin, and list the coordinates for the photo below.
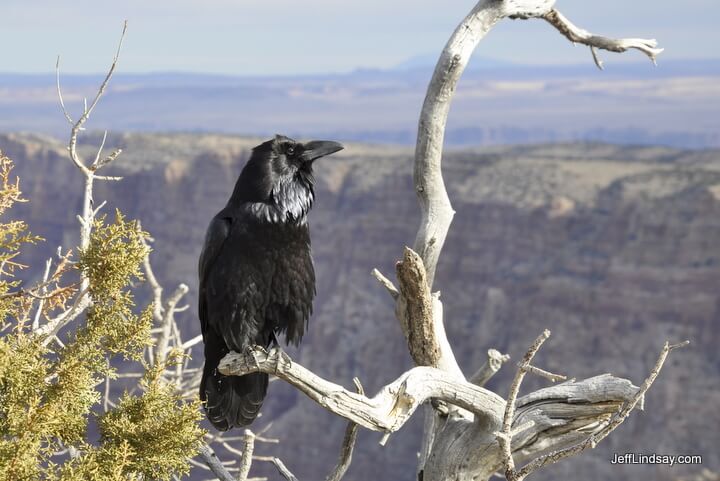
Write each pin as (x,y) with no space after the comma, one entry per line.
(256,272)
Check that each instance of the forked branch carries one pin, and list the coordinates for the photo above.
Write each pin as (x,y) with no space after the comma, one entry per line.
(506,436)
(89,211)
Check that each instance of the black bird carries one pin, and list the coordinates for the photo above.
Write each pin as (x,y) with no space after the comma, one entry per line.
(256,272)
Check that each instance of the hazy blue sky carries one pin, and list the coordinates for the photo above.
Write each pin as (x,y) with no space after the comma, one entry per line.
(292,36)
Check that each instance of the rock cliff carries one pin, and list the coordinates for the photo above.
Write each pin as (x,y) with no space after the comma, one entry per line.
(615,249)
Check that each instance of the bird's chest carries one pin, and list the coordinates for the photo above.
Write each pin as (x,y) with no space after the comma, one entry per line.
(272,260)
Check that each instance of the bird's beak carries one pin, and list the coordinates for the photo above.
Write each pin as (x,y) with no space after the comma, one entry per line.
(320,148)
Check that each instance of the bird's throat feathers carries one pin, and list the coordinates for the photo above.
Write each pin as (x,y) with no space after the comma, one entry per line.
(289,200)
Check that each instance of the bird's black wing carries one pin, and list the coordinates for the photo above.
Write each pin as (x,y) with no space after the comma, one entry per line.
(226,273)
(237,284)
(215,238)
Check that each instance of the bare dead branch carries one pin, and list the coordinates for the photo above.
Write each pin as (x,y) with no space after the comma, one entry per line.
(77,127)
(435,207)
(59,92)
(421,317)
(389,409)
(386,283)
(616,421)
(82,299)
(103,86)
(53,326)
(93,166)
(108,177)
(191,342)
(505,436)
(99,208)
(38,313)
(596,58)
(247,456)
(418,321)
(547,419)
(283,470)
(105,161)
(213,462)
(106,393)
(494,362)
(348,444)
(579,35)
(168,322)
(599,431)
(543,373)
(157,289)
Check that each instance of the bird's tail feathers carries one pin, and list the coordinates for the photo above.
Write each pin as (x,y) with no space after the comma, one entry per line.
(232,400)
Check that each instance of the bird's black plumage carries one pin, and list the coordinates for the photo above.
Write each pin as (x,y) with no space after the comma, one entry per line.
(256,272)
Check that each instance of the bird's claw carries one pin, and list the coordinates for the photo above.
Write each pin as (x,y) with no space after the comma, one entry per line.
(285,358)
(252,351)
(282,356)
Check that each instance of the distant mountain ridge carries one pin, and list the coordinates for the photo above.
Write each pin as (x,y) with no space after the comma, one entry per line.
(675,104)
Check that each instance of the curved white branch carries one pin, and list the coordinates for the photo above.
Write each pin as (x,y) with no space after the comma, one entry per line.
(544,422)
(389,409)
(435,207)
(436,210)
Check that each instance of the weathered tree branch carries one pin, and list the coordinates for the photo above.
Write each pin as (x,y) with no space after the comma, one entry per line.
(418,324)
(167,322)
(348,444)
(579,35)
(493,364)
(605,429)
(388,410)
(386,283)
(545,421)
(283,470)
(573,406)
(247,454)
(505,436)
(421,317)
(214,463)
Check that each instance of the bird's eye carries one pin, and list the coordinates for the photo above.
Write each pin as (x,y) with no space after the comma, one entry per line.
(290,150)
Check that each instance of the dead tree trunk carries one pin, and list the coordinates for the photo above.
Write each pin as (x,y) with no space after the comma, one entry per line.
(470,432)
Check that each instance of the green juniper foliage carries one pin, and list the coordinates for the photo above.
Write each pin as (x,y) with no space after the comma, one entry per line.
(49,394)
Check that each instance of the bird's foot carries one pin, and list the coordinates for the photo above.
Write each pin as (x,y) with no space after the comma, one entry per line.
(252,351)
(281,356)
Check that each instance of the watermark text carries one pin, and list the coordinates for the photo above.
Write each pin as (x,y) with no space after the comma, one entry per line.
(667,459)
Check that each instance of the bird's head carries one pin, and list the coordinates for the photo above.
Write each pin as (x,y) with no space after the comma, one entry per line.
(277,181)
